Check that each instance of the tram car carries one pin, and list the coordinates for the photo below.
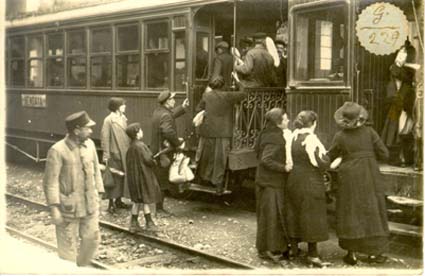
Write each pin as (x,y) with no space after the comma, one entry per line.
(77,59)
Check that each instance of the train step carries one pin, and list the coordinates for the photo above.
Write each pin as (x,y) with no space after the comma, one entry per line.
(405,230)
(402,182)
(206,189)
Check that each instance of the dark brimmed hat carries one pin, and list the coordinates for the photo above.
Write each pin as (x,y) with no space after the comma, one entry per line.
(78,119)
(165,95)
(222,44)
(245,41)
(115,103)
(350,115)
(132,130)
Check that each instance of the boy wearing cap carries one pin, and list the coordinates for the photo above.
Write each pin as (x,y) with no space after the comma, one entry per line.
(72,184)
(164,135)
(223,64)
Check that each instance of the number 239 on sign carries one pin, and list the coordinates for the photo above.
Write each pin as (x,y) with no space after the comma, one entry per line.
(382,28)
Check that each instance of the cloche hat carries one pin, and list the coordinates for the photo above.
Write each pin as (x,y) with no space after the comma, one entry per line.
(350,115)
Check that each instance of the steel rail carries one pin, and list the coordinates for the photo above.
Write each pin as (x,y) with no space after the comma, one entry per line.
(188,250)
(47,245)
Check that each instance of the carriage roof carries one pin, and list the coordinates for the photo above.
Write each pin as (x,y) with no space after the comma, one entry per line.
(113,8)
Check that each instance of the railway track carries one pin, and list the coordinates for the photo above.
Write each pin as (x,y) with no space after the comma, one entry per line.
(186,253)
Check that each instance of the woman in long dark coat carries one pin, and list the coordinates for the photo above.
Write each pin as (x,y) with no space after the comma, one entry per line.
(216,132)
(306,193)
(272,240)
(142,182)
(115,143)
(360,202)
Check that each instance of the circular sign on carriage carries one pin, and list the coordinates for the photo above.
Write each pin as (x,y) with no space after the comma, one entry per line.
(382,28)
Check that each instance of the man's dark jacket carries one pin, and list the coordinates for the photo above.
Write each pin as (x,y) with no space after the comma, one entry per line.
(218,106)
(164,127)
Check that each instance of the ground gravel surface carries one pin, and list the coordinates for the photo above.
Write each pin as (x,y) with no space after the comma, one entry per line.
(209,224)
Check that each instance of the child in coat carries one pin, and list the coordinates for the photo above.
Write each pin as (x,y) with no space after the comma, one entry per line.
(142,182)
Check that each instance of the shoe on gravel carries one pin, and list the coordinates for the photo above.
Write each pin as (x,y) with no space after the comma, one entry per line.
(378,259)
(350,259)
(317,262)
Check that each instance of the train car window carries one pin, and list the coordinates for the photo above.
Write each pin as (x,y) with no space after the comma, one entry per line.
(101,63)
(157,36)
(76,59)
(77,42)
(180,61)
(202,54)
(101,40)
(128,38)
(320,45)
(77,71)
(55,61)
(17,61)
(179,22)
(17,47)
(157,55)
(157,70)
(127,57)
(35,61)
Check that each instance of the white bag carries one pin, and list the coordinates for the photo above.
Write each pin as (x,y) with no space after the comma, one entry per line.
(179,169)
(199,118)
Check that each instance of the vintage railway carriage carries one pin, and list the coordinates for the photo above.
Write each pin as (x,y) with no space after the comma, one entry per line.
(76,59)
(71,60)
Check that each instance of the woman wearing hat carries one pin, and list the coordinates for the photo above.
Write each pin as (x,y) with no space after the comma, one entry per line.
(305,191)
(115,143)
(360,206)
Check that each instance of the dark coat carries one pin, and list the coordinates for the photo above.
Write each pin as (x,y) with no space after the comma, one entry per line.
(258,68)
(164,127)
(218,106)
(142,181)
(360,209)
(269,192)
(223,66)
(115,143)
(281,73)
(306,197)
(270,149)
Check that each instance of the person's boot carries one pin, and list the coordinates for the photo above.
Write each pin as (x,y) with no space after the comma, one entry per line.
(111,207)
(150,225)
(350,258)
(134,224)
(120,204)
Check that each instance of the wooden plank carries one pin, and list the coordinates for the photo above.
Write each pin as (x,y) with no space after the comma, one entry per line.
(405,229)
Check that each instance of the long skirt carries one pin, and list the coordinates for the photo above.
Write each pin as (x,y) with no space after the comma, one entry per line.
(271,230)
(370,245)
(306,206)
(212,157)
(118,189)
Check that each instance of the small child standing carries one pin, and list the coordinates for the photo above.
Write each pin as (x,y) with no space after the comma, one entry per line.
(142,182)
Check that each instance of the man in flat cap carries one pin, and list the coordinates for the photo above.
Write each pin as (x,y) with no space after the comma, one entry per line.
(257,66)
(223,65)
(164,135)
(72,184)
